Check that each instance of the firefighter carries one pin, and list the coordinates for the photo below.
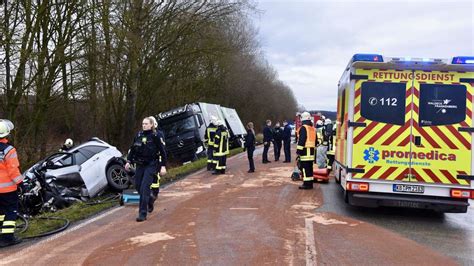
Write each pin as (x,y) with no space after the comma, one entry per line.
(10,180)
(267,139)
(67,145)
(221,145)
(145,153)
(209,141)
(155,186)
(305,149)
(277,140)
(287,141)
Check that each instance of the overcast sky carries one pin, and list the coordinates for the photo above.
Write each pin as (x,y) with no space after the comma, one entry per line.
(310,42)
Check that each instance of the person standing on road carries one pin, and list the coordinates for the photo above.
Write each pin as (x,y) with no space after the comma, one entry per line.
(221,144)
(267,139)
(145,153)
(287,141)
(277,140)
(155,185)
(209,141)
(250,146)
(305,149)
(10,180)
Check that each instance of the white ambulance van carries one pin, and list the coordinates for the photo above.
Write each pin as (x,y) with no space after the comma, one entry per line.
(404,135)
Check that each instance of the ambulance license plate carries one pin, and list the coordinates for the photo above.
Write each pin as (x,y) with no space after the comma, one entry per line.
(408,188)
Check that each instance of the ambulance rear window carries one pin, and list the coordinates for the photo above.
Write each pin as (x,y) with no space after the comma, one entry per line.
(442,104)
(383,102)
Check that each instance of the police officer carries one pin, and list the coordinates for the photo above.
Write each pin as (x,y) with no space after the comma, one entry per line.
(221,145)
(145,153)
(287,141)
(250,146)
(277,140)
(209,141)
(267,139)
(155,186)
(10,179)
(305,149)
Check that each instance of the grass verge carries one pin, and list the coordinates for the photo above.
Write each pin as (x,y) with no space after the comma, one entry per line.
(82,210)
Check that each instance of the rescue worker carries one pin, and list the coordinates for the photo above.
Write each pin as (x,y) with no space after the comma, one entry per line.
(67,145)
(267,139)
(209,141)
(221,145)
(321,150)
(10,180)
(155,186)
(305,149)
(145,153)
(287,141)
(277,140)
(250,146)
(328,127)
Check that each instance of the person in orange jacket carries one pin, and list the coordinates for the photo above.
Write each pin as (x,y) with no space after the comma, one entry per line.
(10,179)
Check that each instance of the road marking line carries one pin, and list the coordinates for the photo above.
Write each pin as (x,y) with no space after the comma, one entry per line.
(310,246)
(17,255)
(243,208)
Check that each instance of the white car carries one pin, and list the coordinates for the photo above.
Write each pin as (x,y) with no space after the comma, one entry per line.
(80,173)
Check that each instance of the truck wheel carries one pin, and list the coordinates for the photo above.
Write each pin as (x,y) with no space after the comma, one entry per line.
(117,177)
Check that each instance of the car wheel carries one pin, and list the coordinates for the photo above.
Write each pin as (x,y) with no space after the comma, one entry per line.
(117,177)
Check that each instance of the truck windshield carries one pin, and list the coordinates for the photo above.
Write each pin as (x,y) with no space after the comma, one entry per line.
(177,127)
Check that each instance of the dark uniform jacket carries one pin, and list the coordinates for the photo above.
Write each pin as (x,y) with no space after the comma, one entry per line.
(287,133)
(278,134)
(148,146)
(249,139)
(267,134)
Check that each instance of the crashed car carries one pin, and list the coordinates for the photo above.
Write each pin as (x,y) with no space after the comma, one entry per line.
(81,173)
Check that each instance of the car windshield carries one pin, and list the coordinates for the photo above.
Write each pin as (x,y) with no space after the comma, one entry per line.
(179,126)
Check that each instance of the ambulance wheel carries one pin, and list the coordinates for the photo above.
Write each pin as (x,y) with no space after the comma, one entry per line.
(117,177)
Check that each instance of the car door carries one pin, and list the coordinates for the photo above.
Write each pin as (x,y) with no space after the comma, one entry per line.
(88,157)
(443,107)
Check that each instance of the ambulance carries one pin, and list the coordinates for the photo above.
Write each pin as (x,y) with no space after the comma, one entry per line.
(404,135)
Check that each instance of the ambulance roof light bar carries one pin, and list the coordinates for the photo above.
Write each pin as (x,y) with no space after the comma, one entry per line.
(367,58)
(417,61)
(462,60)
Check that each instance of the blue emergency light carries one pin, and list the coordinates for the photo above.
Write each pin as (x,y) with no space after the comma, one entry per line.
(367,58)
(460,60)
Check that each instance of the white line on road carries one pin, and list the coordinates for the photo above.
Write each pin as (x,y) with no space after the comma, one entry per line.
(243,209)
(310,246)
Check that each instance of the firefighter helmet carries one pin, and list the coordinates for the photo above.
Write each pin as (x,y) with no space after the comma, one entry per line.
(68,143)
(5,127)
(305,116)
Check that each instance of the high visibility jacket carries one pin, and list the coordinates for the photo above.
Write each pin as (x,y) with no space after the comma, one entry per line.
(306,143)
(210,135)
(221,142)
(10,175)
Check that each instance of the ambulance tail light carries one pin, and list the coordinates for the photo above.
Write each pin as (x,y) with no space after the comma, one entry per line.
(462,193)
(462,60)
(367,58)
(357,186)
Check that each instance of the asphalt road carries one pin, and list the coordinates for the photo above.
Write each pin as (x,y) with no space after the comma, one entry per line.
(451,234)
(233,219)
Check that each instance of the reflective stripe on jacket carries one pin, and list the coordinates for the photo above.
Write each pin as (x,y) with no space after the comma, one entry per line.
(10,174)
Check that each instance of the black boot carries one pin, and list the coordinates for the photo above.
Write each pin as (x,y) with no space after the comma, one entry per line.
(10,241)
(306,185)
